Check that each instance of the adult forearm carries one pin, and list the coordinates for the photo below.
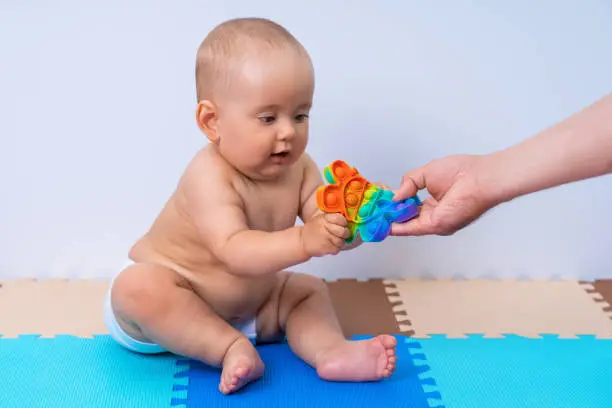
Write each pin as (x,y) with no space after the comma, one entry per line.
(257,253)
(577,148)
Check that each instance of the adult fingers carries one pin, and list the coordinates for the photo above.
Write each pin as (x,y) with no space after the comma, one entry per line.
(412,182)
(413,227)
(441,219)
(420,225)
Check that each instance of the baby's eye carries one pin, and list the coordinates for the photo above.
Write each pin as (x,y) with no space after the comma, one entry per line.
(302,117)
(267,119)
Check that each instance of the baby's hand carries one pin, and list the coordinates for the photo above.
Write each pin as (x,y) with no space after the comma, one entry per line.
(324,234)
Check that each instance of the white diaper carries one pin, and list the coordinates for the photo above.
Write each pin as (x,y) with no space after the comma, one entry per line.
(249,328)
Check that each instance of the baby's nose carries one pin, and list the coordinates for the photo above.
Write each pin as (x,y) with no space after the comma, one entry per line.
(287,132)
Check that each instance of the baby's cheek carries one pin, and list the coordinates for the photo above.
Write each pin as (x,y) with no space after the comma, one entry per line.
(244,140)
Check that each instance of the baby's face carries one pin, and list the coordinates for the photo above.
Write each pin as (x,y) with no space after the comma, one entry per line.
(263,116)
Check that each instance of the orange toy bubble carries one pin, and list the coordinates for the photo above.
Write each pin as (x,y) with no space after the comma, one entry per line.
(352,200)
(331,200)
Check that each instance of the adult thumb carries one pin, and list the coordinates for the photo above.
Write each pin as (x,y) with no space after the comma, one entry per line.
(412,182)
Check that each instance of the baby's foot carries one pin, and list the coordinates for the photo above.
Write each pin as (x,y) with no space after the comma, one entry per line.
(365,360)
(241,366)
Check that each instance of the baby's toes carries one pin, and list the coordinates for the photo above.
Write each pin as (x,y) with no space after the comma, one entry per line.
(228,383)
(241,372)
(390,368)
(389,342)
(388,371)
(236,382)
(231,381)
(223,387)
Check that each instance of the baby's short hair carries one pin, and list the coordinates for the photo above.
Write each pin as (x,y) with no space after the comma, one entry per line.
(230,40)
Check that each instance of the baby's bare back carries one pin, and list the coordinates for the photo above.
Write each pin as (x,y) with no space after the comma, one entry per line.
(174,238)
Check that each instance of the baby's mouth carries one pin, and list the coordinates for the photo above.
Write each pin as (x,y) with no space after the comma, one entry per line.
(280,154)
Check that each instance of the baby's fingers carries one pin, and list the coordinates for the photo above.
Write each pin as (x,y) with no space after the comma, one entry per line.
(336,219)
(338,231)
(337,242)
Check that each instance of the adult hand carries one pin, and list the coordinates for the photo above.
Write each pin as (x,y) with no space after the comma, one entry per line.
(459,195)
(463,187)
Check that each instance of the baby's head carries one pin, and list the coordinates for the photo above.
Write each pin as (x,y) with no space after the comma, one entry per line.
(255,85)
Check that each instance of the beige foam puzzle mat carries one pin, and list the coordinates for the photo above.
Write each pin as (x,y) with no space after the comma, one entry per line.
(413,307)
(52,307)
(494,308)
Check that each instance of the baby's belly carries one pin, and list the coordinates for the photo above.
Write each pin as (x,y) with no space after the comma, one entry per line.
(232,297)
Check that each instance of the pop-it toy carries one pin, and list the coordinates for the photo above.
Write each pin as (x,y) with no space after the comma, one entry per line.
(368,208)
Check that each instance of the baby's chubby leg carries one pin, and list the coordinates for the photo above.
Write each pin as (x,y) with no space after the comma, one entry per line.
(306,313)
(155,304)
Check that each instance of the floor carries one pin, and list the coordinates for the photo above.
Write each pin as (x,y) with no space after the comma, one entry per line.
(478,340)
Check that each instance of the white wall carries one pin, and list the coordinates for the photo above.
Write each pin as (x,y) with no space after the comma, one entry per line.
(96,122)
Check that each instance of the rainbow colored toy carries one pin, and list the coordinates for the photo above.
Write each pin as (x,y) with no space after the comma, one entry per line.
(368,208)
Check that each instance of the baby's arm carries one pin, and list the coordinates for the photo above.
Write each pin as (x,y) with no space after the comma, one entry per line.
(218,214)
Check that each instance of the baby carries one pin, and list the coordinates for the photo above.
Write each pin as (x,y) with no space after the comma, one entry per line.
(208,280)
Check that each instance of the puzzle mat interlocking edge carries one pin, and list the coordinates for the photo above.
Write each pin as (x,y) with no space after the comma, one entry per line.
(413,307)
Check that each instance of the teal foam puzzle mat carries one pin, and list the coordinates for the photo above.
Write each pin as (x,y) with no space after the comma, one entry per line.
(474,372)
(546,372)
(68,371)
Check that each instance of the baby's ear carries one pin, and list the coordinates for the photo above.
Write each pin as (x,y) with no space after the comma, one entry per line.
(206,116)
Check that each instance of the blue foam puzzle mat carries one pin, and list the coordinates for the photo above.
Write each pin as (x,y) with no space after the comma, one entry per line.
(289,382)
(67,371)
(514,371)
(437,372)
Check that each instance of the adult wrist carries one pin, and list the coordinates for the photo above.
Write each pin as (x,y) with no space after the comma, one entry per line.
(495,179)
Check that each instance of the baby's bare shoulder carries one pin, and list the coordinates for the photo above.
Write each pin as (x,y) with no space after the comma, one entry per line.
(208,171)
(207,186)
